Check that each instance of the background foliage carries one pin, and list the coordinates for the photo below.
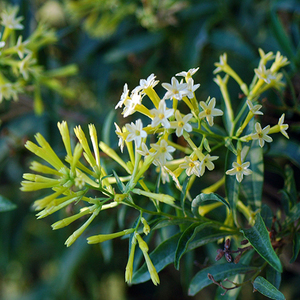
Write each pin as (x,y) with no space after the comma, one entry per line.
(122,42)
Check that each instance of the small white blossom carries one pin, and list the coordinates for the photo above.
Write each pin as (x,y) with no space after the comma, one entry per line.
(283,127)
(220,65)
(146,83)
(163,151)
(9,90)
(131,103)
(209,111)
(261,134)
(254,108)
(264,58)
(264,74)
(181,124)
(189,73)
(280,61)
(136,132)
(175,89)
(20,47)
(9,18)
(161,115)
(191,87)
(239,170)
(26,66)
(120,135)
(124,96)
(207,162)
(191,166)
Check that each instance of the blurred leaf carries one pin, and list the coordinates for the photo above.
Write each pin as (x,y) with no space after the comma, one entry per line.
(286,148)
(290,185)
(252,184)
(266,288)
(258,237)
(206,197)
(107,128)
(294,214)
(6,205)
(296,247)
(219,272)
(135,44)
(273,276)
(226,40)
(231,185)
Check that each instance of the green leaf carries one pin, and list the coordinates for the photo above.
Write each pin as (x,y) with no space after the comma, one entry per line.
(294,214)
(219,272)
(258,237)
(206,197)
(231,185)
(273,276)
(266,288)
(296,247)
(252,185)
(267,215)
(290,185)
(286,148)
(186,237)
(164,254)
(6,205)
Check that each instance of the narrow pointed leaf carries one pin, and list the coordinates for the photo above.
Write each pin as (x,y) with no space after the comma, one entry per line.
(273,276)
(6,205)
(296,247)
(258,237)
(252,184)
(294,214)
(266,288)
(206,197)
(219,272)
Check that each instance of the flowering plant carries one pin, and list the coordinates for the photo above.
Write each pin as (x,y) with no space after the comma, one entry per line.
(20,70)
(169,149)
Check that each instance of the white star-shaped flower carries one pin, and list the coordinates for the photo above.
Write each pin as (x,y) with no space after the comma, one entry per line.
(146,83)
(261,134)
(131,103)
(136,132)
(220,65)
(191,87)
(254,108)
(209,111)
(181,124)
(239,170)
(9,18)
(207,162)
(124,96)
(161,115)
(283,127)
(189,73)
(120,135)
(163,151)
(191,166)
(175,89)
(20,47)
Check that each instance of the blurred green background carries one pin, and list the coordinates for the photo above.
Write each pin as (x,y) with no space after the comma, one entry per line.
(116,42)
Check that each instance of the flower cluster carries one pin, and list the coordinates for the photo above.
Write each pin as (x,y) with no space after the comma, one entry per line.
(149,140)
(20,71)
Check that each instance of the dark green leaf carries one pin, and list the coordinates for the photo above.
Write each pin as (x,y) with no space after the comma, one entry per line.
(231,185)
(186,237)
(206,197)
(6,205)
(219,272)
(252,184)
(296,247)
(164,254)
(286,148)
(120,184)
(290,185)
(294,214)
(266,288)
(273,276)
(258,237)
(267,215)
